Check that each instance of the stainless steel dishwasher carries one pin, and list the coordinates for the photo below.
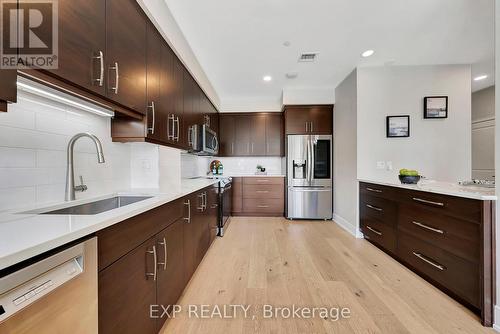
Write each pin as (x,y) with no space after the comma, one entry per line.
(55,294)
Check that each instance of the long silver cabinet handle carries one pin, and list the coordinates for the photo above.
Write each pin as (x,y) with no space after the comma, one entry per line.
(428,261)
(188,218)
(373,230)
(416,199)
(374,208)
(262,191)
(311,127)
(151,130)
(176,135)
(428,227)
(100,80)
(306,126)
(165,254)
(117,77)
(262,206)
(374,190)
(171,135)
(200,196)
(155,259)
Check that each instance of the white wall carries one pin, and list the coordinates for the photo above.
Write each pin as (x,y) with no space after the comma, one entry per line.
(33,139)
(497,162)
(345,185)
(483,134)
(439,149)
(309,96)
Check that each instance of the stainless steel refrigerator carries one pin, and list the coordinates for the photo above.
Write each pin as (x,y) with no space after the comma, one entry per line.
(309,177)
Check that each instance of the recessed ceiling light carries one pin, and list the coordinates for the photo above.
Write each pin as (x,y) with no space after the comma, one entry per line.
(367,53)
(481,77)
(267,78)
(286,43)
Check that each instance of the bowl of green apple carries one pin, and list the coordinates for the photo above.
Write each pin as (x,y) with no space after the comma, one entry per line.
(409,176)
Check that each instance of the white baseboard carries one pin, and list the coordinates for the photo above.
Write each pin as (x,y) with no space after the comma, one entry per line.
(496,318)
(346,225)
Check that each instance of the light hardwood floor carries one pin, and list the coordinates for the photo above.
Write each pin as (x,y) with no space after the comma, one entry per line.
(314,264)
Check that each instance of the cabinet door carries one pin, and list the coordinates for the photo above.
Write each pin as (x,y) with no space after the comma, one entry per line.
(226,135)
(242,128)
(190,237)
(189,116)
(297,120)
(155,119)
(82,44)
(178,85)
(274,135)
(258,135)
(214,118)
(202,227)
(8,88)
(167,93)
(212,213)
(237,200)
(321,120)
(126,53)
(170,245)
(126,290)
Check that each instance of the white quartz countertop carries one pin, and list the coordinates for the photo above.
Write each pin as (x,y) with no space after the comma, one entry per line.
(445,188)
(253,175)
(23,236)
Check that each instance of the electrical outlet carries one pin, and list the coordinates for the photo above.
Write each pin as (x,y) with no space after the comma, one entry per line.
(380,164)
(389,165)
(146,164)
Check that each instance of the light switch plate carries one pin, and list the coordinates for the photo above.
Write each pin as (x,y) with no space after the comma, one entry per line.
(389,165)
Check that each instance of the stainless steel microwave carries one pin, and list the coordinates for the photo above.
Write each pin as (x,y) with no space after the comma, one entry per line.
(203,140)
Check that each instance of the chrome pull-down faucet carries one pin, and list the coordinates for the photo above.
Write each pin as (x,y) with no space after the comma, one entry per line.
(70,172)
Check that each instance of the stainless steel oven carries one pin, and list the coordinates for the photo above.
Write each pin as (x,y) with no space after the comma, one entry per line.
(203,140)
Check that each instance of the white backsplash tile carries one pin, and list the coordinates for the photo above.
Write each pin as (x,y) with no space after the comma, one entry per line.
(33,138)
(248,165)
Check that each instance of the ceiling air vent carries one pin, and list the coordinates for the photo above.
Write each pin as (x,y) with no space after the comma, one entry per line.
(308,56)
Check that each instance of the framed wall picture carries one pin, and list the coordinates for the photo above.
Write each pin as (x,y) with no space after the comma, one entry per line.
(398,126)
(436,107)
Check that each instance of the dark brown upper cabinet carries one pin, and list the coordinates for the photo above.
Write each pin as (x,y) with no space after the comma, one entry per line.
(171,121)
(8,88)
(309,120)
(258,135)
(82,44)
(226,135)
(155,120)
(126,54)
(274,135)
(251,134)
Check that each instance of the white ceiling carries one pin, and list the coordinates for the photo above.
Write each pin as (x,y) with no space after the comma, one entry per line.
(237,42)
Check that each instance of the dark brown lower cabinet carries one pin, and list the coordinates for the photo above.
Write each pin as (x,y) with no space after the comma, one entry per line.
(8,89)
(170,245)
(447,240)
(155,272)
(126,293)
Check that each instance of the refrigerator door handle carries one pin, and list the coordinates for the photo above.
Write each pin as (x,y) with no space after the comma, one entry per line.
(313,158)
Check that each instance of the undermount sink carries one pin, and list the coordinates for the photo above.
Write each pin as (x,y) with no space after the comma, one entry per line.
(94,208)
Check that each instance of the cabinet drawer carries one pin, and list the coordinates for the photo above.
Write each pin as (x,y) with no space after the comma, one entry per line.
(454,273)
(379,233)
(378,208)
(462,208)
(454,235)
(264,180)
(263,191)
(270,205)
(119,239)
(375,190)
